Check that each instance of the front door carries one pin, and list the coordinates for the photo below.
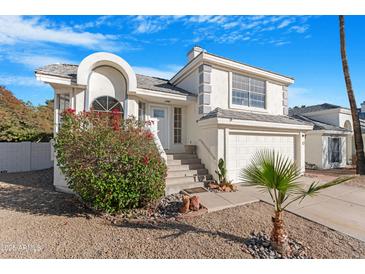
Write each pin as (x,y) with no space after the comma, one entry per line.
(160,113)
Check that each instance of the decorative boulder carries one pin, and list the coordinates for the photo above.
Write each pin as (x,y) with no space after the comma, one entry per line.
(186,204)
(194,203)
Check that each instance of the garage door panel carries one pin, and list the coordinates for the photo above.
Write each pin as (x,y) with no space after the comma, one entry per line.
(242,147)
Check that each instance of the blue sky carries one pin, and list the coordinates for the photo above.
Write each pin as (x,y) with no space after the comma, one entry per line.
(304,47)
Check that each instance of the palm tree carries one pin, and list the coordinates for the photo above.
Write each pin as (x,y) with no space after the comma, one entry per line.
(359,146)
(278,175)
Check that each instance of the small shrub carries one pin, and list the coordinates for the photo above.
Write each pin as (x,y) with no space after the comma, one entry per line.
(113,164)
(222,171)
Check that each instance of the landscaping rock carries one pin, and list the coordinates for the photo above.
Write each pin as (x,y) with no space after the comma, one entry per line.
(185,204)
(223,187)
(259,246)
(194,203)
(169,206)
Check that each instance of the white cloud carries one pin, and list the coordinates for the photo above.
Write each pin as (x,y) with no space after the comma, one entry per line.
(152,24)
(17,29)
(299,29)
(244,28)
(146,25)
(101,20)
(26,81)
(285,23)
(226,29)
(161,73)
(207,19)
(34,61)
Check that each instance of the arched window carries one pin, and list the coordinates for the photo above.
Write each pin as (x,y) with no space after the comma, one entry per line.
(107,104)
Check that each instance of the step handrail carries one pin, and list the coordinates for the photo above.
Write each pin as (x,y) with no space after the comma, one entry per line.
(151,125)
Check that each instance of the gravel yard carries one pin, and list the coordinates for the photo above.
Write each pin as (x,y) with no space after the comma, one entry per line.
(37,222)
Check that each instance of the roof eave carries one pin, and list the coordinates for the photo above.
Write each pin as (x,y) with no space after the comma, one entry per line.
(163,95)
(254,123)
(54,79)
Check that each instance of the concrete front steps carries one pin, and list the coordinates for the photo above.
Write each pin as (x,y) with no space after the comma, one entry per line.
(185,170)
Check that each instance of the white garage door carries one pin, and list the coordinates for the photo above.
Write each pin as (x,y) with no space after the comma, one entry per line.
(242,147)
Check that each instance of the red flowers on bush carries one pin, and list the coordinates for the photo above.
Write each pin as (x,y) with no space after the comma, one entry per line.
(116,119)
(146,160)
(112,163)
(149,135)
(69,111)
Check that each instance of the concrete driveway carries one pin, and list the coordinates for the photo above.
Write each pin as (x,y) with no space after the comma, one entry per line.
(341,207)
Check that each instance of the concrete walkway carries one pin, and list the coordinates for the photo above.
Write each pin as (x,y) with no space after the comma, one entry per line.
(341,207)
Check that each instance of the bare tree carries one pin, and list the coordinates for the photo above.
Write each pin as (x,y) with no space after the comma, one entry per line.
(359,146)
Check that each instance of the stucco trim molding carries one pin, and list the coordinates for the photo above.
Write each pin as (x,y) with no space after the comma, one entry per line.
(98,59)
(205,89)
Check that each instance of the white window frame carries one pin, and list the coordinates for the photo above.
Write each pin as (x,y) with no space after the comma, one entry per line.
(329,150)
(242,107)
(145,111)
(181,125)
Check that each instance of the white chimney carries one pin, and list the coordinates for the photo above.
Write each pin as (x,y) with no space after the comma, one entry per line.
(194,52)
(363,106)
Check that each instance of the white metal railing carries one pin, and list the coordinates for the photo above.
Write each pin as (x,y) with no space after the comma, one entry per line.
(152,127)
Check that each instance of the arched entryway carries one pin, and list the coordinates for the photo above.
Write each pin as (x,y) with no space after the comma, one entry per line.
(107,75)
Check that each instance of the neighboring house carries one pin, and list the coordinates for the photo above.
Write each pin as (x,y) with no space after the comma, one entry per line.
(219,107)
(361,111)
(330,143)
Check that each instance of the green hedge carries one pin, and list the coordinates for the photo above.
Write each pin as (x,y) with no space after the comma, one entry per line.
(113,164)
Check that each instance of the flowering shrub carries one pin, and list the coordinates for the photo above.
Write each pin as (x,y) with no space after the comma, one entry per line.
(112,163)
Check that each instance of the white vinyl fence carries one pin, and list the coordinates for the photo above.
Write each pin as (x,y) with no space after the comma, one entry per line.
(25,156)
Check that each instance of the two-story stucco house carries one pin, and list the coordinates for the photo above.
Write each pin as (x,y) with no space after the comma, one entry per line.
(219,107)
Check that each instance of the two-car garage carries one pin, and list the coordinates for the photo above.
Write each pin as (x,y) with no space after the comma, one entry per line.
(242,147)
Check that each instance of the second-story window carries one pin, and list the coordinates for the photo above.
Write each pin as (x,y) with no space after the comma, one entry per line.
(247,91)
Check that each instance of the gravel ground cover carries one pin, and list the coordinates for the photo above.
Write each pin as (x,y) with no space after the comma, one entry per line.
(37,222)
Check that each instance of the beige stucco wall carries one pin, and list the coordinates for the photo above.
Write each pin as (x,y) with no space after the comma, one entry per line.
(313,149)
(317,150)
(220,89)
(221,94)
(207,148)
(191,82)
(274,98)
(106,81)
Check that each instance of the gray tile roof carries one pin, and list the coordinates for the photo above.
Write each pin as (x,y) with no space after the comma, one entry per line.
(159,84)
(145,82)
(63,70)
(307,109)
(317,125)
(242,115)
